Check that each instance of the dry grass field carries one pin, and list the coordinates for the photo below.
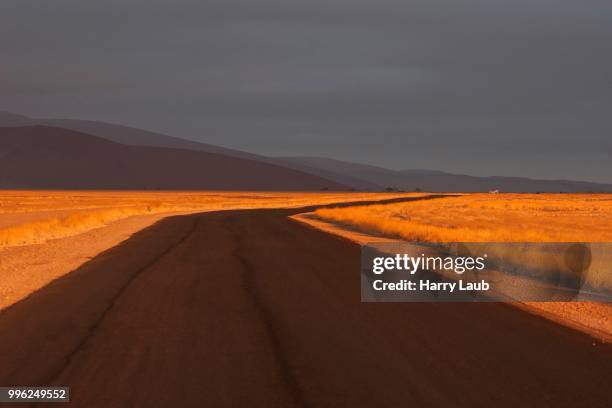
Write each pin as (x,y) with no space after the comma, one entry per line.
(31,217)
(501,218)
(486,218)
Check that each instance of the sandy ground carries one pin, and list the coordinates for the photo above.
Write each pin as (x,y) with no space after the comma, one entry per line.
(24,269)
(592,318)
(250,308)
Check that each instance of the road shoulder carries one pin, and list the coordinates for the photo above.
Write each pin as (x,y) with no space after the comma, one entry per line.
(587,317)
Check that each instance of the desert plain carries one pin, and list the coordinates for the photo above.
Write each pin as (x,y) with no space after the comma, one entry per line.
(118,293)
(46,234)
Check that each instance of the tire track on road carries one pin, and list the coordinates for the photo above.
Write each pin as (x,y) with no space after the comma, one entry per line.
(247,274)
(112,302)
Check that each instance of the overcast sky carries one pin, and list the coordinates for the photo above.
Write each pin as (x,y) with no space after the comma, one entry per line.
(515,88)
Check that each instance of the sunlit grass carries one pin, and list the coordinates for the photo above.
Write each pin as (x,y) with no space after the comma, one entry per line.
(29,217)
(486,218)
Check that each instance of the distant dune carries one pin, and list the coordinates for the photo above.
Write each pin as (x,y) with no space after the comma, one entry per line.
(430,180)
(139,137)
(49,157)
(353,175)
(124,134)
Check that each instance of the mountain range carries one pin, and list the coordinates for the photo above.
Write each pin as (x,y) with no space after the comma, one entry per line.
(433,180)
(72,153)
(43,157)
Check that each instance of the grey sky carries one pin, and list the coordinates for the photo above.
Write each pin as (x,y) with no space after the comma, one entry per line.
(492,87)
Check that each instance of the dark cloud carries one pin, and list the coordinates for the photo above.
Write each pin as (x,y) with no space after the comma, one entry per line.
(482,87)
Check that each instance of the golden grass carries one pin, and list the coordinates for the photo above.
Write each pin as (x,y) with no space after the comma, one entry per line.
(30,217)
(486,218)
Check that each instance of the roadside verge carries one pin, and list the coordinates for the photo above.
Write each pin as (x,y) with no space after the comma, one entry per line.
(591,318)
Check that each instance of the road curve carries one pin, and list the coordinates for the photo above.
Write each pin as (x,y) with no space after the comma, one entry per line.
(250,308)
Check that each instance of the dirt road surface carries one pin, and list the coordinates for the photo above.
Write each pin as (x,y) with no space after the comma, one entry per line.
(252,309)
